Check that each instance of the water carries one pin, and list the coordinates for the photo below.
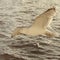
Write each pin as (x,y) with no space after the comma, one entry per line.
(22,47)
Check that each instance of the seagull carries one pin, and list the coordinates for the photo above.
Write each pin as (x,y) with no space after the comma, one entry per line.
(39,26)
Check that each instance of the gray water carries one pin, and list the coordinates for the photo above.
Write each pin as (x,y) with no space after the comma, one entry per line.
(21,13)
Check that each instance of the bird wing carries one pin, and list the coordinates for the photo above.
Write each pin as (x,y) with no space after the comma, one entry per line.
(43,20)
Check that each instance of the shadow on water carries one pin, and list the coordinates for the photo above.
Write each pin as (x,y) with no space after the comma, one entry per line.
(9,57)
